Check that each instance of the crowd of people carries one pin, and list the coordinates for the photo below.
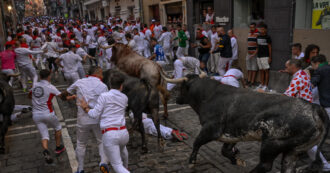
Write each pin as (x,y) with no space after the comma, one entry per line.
(61,46)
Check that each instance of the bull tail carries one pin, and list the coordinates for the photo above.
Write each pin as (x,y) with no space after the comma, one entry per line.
(317,163)
(2,95)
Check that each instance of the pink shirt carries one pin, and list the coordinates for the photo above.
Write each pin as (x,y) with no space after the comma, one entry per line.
(8,59)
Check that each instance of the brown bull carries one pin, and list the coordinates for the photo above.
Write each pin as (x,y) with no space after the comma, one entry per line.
(138,66)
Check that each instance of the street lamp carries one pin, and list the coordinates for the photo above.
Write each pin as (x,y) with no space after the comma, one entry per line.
(10,8)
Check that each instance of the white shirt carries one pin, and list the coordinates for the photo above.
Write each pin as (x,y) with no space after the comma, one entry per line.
(165,38)
(28,38)
(42,95)
(300,56)
(110,107)
(157,30)
(234,49)
(36,43)
(22,56)
(139,42)
(90,41)
(214,40)
(57,40)
(91,32)
(78,34)
(51,47)
(209,17)
(70,61)
(132,45)
(190,62)
(233,72)
(90,89)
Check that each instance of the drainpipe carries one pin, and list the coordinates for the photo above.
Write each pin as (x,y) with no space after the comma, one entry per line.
(141,11)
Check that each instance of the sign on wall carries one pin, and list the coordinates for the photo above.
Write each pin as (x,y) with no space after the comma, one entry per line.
(321,14)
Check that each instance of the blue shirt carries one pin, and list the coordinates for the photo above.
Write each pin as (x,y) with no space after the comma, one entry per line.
(158,50)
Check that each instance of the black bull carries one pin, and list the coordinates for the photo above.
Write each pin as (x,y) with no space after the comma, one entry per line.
(7,104)
(142,98)
(284,125)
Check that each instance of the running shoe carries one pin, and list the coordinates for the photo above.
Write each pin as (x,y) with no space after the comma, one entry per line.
(176,135)
(59,150)
(184,136)
(80,171)
(104,168)
(47,156)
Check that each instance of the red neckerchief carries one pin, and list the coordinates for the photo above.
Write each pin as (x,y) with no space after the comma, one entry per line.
(144,30)
(201,36)
(255,31)
(58,34)
(34,37)
(94,76)
(24,45)
(234,36)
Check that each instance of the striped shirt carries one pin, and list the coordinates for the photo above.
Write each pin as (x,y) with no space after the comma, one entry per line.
(252,42)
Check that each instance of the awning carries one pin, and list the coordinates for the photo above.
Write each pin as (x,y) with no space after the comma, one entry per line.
(91,2)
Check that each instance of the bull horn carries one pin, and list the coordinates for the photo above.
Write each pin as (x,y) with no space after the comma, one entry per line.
(14,75)
(203,74)
(176,81)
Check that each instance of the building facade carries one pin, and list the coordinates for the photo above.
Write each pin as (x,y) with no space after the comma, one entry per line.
(126,9)
(165,11)
(289,21)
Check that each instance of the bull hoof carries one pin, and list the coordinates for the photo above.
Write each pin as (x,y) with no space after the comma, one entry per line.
(2,150)
(192,160)
(165,116)
(240,162)
(144,150)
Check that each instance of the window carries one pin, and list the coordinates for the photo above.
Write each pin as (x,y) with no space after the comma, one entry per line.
(312,14)
(248,11)
(174,13)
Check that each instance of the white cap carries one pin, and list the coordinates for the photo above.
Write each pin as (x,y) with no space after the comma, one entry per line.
(153,20)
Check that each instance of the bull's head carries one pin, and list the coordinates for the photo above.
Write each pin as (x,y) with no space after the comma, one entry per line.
(185,83)
(119,50)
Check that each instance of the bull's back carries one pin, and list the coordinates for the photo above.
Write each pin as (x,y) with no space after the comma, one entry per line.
(246,115)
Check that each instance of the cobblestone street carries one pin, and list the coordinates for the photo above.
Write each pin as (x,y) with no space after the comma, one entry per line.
(24,153)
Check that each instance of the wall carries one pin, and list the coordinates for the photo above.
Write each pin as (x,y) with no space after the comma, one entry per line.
(124,4)
(146,11)
(313,36)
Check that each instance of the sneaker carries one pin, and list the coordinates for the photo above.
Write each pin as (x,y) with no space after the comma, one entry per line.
(265,88)
(59,150)
(260,86)
(184,136)
(80,171)
(47,157)
(24,90)
(176,135)
(104,168)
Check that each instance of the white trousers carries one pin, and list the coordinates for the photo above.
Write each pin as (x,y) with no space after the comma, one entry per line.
(45,120)
(222,65)
(180,52)
(83,132)
(37,56)
(177,73)
(213,65)
(71,77)
(81,71)
(114,144)
(149,128)
(28,71)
